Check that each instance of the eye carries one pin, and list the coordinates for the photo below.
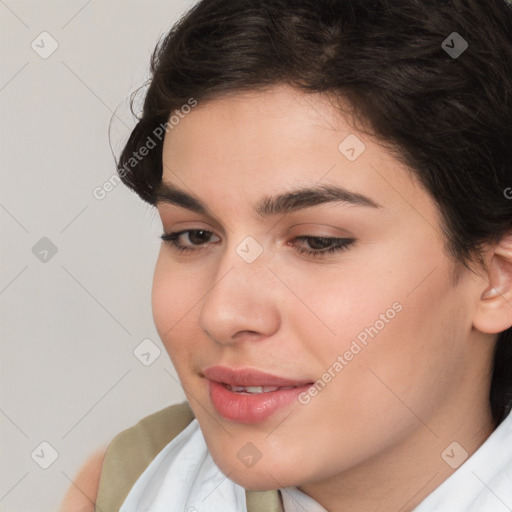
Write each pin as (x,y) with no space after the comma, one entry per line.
(322,246)
(319,245)
(196,237)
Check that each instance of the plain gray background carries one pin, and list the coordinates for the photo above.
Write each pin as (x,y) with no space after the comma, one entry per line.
(70,321)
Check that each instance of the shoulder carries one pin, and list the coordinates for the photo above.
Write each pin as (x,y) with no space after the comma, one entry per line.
(144,440)
(108,475)
(81,495)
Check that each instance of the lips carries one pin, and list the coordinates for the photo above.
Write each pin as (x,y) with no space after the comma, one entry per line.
(245,395)
(240,377)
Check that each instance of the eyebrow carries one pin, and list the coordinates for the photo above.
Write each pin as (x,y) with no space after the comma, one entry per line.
(270,205)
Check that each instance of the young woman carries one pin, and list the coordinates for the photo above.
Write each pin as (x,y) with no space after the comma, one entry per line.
(334,286)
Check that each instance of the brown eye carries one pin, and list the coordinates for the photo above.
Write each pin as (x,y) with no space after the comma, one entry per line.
(321,246)
(197,237)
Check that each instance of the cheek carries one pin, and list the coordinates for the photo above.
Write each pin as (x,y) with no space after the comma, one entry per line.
(423,353)
(172,301)
(163,297)
(381,330)
(398,349)
(337,307)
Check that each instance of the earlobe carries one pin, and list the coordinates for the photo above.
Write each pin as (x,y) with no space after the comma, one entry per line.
(494,309)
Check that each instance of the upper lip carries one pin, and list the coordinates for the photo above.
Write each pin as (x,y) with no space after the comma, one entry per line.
(249,377)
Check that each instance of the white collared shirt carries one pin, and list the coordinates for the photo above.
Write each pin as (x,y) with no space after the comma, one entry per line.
(184,478)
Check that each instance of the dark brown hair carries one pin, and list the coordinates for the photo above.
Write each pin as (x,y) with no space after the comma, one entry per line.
(446,116)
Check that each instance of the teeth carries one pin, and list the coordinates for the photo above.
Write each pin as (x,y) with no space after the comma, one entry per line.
(255,389)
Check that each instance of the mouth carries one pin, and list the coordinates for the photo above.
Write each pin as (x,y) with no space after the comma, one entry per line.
(250,378)
(251,396)
(254,390)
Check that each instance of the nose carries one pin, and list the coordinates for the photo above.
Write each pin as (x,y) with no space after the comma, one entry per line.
(241,303)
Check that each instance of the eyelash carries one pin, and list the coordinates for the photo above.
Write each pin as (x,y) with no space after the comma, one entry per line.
(341,244)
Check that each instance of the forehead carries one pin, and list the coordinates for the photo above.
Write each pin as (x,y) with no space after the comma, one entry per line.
(245,146)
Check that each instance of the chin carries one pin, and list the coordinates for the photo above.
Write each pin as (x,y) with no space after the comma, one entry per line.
(264,475)
(255,481)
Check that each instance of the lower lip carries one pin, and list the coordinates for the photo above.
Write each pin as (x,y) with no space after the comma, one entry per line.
(251,408)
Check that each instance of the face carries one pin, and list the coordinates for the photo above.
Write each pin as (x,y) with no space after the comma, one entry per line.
(350,291)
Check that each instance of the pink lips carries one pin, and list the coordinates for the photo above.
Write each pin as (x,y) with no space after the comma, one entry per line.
(248,377)
(250,408)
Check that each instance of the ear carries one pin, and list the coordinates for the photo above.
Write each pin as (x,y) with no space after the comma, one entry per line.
(494,309)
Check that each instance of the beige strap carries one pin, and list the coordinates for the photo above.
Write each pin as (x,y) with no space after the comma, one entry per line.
(263,501)
(132,450)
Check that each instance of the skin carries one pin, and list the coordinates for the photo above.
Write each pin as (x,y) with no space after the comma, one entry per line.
(372,438)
